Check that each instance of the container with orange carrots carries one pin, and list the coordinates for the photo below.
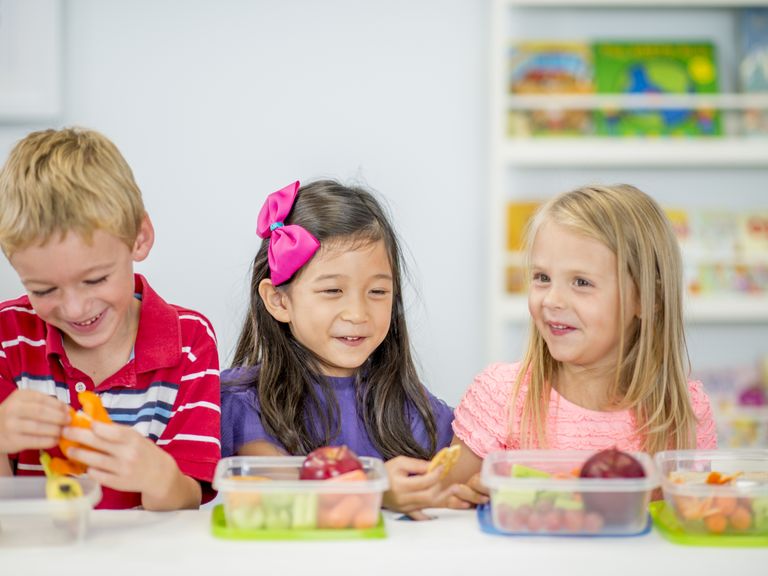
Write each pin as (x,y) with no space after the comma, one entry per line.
(328,491)
(717,492)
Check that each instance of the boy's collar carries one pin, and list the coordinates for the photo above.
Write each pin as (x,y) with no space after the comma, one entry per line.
(158,341)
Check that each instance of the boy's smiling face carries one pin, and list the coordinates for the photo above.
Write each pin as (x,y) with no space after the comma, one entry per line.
(85,289)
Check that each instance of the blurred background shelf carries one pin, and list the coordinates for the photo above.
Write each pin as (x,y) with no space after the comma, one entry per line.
(726,309)
(638,152)
(693,173)
(633,3)
(732,101)
(715,151)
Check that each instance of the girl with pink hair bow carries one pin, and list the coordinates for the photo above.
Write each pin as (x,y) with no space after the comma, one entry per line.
(324,356)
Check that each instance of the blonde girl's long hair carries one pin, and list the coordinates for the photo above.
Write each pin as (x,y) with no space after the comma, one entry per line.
(651,372)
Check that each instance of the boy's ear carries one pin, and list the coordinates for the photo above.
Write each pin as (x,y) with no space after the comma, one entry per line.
(274,301)
(145,239)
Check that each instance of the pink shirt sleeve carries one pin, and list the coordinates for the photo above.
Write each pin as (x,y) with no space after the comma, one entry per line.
(706,432)
(481,420)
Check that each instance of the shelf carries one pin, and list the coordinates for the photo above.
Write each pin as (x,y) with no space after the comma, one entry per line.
(691,257)
(730,309)
(724,101)
(737,308)
(711,152)
(636,3)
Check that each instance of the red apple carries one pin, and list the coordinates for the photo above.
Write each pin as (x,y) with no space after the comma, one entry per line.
(612,463)
(614,507)
(329,462)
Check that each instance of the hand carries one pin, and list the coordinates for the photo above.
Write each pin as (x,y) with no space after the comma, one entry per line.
(31,420)
(412,488)
(470,494)
(122,459)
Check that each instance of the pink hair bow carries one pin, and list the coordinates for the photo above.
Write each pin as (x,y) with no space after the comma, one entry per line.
(291,246)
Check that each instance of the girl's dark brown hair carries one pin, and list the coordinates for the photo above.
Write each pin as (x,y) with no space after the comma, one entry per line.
(388,387)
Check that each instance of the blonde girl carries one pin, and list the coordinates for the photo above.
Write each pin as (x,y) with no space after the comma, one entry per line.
(606,363)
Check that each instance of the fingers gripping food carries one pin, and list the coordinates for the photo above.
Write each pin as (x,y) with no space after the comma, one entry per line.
(447,458)
(92,409)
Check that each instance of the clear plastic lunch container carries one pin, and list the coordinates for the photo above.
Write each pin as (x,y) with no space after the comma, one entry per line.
(265,494)
(721,493)
(29,518)
(539,492)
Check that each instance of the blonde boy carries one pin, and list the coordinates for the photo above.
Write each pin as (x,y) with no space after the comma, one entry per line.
(72,224)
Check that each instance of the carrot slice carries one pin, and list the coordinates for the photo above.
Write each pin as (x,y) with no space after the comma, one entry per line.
(741,519)
(716,523)
(92,410)
(719,479)
(91,403)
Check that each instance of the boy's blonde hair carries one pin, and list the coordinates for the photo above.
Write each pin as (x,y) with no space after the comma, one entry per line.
(651,372)
(56,181)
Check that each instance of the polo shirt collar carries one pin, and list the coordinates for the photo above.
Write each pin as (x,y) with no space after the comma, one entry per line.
(158,341)
(54,342)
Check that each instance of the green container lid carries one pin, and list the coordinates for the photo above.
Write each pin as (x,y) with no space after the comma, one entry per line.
(667,524)
(220,529)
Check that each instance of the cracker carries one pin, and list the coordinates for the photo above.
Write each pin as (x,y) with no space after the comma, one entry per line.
(447,458)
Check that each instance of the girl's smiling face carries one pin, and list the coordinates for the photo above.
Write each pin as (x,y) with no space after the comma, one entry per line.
(574,297)
(339,306)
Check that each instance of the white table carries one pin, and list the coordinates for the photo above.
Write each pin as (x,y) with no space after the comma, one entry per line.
(180,543)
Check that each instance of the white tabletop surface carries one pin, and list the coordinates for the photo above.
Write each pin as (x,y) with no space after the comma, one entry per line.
(146,543)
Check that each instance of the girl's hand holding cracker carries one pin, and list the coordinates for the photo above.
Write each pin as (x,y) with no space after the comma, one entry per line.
(445,459)
(412,487)
(463,477)
(471,493)
(30,420)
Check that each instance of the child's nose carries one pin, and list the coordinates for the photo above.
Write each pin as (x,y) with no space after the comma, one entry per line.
(553,297)
(73,306)
(354,310)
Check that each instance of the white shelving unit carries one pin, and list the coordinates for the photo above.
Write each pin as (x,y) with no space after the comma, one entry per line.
(709,309)
(701,156)
(634,3)
(553,152)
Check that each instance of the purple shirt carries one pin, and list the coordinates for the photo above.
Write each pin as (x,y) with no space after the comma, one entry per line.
(241,417)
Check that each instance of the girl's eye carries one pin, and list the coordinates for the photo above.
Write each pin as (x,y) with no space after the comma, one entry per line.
(332,291)
(540,277)
(96,281)
(41,293)
(380,292)
(581,283)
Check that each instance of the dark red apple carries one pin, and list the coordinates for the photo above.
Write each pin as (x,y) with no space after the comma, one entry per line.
(329,462)
(614,507)
(612,463)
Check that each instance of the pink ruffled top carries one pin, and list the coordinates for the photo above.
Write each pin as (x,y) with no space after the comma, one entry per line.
(482,418)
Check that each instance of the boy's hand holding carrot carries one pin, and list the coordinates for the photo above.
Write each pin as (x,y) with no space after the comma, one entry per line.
(121,458)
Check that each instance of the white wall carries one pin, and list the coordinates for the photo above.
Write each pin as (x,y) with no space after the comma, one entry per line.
(216,103)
